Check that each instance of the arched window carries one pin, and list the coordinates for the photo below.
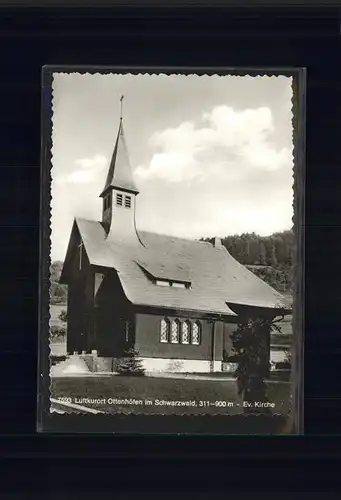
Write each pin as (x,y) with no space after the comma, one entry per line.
(164,331)
(185,332)
(196,333)
(175,331)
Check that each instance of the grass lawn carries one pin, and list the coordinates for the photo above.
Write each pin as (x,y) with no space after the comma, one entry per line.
(152,389)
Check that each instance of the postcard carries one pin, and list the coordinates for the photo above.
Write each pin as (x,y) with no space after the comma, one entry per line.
(172,247)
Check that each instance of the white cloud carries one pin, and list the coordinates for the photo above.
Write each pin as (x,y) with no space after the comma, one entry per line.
(243,135)
(235,127)
(222,176)
(85,170)
(170,166)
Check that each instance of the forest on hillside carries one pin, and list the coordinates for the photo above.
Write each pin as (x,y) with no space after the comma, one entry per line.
(269,257)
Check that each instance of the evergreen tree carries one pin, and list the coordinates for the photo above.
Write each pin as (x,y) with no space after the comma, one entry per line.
(130,365)
(275,251)
(273,257)
(251,341)
(262,254)
(291,255)
(57,333)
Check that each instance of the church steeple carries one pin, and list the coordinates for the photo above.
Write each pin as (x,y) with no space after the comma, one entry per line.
(120,173)
(119,193)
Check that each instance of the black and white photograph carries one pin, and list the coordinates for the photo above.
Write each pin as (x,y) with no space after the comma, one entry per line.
(172,244)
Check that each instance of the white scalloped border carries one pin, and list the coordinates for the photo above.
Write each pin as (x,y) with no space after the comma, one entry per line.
(256,73)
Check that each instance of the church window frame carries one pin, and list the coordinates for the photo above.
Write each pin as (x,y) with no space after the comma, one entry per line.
(175,332)
(196,333)
(186,332)
(119,199)
(164,331)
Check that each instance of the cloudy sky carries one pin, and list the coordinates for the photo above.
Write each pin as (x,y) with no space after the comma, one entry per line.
(211,155)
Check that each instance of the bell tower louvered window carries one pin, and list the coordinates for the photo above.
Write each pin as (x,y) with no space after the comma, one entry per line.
(127,201)
(119,199)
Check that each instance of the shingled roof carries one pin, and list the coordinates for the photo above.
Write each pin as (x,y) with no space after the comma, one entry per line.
(214,277)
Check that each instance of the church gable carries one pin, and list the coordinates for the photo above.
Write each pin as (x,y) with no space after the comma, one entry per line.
(76,260)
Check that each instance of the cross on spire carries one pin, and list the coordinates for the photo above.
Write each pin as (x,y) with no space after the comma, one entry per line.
(121,100)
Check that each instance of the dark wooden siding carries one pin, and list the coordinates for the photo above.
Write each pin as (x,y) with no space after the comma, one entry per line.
(112,311)
(89,277)
(148,340)
(76,326)
(73,337)
(229,328)
(80,300)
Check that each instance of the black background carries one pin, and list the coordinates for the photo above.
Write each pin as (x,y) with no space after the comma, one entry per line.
(30,38)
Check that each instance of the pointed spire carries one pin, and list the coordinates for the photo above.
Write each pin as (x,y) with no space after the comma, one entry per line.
(120,173)
(121,116)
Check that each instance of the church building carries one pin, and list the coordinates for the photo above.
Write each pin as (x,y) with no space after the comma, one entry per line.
(176,301)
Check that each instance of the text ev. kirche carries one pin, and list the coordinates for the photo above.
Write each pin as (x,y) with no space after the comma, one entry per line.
(164,402)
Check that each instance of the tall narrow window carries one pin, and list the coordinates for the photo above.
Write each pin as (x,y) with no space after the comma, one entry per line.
(175,332)
(196,333)
(185,332)
(127,330)
(119,199)
(127,201)
(164,331)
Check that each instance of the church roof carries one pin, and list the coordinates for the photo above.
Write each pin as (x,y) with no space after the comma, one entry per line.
(214,278)
(120,174)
